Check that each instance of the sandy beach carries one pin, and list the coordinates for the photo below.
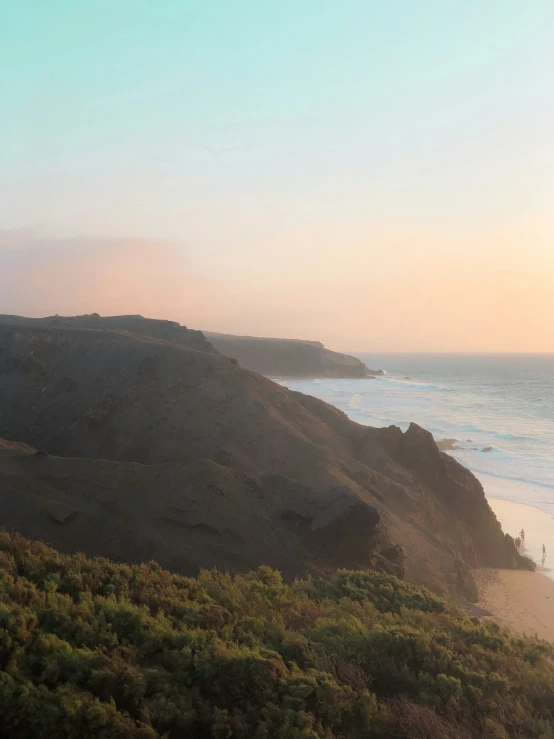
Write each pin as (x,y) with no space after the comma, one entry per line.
(538,526)
(521,601)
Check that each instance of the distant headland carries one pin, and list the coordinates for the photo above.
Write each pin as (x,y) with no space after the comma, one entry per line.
(289,357)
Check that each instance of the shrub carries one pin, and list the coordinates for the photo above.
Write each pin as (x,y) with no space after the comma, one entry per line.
(96,649)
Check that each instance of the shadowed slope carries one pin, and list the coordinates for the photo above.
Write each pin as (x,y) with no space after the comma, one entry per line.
(134,399)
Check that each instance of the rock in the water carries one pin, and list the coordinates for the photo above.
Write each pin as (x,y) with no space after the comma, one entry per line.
(447,445)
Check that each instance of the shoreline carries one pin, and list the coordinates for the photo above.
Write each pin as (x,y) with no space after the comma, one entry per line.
(519,600)
(538,526)
(279,378)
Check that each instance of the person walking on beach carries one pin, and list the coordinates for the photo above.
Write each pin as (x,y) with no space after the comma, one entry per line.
(522,536)
(543,553)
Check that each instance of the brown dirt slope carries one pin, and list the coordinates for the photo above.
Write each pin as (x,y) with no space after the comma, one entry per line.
(159,450)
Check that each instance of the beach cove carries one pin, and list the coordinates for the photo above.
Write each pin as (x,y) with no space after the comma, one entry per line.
(519,600)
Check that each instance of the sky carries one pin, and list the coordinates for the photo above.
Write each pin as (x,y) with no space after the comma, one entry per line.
(374,174)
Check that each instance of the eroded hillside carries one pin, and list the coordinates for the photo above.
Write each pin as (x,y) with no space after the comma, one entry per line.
(155,449)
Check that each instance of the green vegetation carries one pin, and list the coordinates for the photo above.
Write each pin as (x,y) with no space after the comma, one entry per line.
(90,648)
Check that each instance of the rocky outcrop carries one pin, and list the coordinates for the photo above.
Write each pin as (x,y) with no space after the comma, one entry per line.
(448,445)
(289,357)
(149,448)
(518,561)
(458,498)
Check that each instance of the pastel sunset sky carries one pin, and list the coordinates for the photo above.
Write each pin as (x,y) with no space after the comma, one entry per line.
(377,175)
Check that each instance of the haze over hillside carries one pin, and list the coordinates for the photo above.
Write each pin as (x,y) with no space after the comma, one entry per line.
(289,357)
(403,306)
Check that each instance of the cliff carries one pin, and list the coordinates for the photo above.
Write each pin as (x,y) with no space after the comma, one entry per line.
(151,449)
(166,330)
(288,357)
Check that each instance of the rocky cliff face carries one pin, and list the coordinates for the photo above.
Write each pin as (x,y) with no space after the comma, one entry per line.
(288,357)
(158,450)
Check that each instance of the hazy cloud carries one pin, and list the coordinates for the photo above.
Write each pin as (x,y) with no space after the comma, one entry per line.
(45,275)
(436,297)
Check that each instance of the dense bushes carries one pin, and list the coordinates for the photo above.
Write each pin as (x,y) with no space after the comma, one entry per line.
(89,648)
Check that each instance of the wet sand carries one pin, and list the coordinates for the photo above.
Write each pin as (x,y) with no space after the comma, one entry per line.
(521,601)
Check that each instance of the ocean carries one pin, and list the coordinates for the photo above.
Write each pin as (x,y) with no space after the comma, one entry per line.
(502,403)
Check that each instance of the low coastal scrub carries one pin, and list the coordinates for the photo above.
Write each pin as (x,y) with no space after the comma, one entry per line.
(89,648)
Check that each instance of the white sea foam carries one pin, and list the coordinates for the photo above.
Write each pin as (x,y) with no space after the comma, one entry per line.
(503,402)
